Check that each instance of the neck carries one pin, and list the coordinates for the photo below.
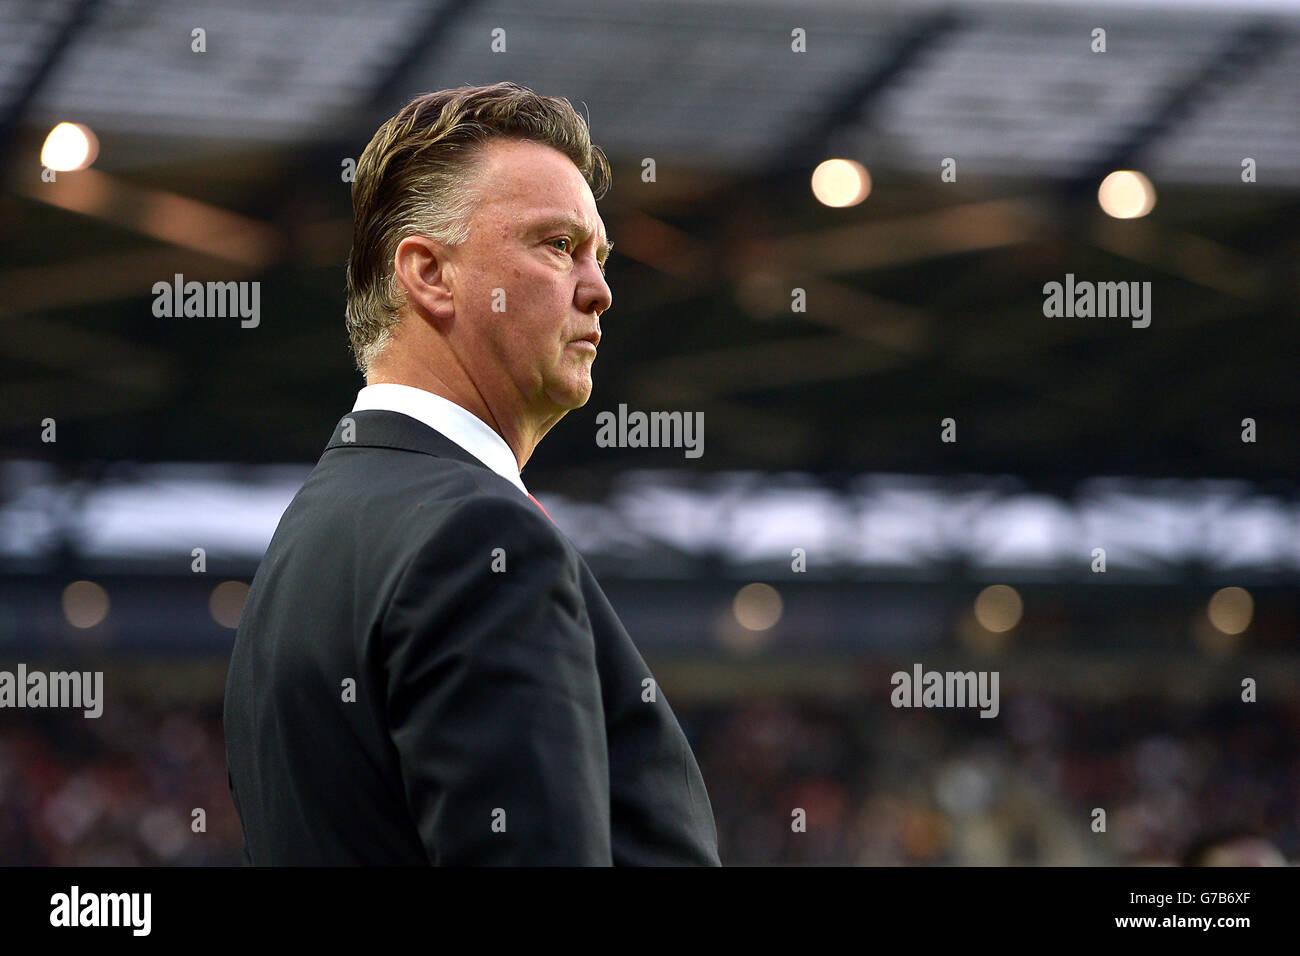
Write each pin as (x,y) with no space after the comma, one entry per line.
(521,432)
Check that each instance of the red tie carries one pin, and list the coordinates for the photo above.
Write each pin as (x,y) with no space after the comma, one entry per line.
(539,504)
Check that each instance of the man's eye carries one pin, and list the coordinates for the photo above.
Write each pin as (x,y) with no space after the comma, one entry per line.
(561,239)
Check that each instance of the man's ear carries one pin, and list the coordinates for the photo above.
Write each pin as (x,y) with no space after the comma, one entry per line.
(420,266)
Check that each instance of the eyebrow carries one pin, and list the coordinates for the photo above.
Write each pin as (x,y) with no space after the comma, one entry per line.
(574,226)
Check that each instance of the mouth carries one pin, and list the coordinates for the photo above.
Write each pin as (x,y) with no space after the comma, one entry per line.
(593,340)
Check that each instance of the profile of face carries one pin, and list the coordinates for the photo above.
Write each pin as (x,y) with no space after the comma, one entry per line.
(528,284)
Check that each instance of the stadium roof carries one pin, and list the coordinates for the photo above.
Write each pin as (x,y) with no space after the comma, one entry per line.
(924,302)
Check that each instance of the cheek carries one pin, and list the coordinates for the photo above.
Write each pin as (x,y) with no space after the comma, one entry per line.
(545,306)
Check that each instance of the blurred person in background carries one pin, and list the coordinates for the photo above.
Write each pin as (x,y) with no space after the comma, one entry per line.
(1238,846)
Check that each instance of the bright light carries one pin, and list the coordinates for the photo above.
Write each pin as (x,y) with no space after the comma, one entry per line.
(85,604)
(1231,609)
(1126,194)
(69,147)
(998,608)
(757,606)
(841,182)
(227,603)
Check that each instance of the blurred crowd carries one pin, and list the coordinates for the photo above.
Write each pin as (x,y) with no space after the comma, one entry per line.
(1047,783)
(118,790)
(792,781)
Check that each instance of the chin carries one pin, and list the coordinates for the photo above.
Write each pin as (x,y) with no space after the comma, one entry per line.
(573,397)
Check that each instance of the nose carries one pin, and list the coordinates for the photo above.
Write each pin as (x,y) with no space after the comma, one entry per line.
(593,292)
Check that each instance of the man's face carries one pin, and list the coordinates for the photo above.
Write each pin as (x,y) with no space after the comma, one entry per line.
(536,250)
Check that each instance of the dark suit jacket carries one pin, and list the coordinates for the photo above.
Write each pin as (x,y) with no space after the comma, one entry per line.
(393,699)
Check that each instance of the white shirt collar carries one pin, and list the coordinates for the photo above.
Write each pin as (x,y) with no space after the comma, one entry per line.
(459,424)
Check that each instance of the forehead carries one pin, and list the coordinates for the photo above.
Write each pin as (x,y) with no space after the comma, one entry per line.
(521,182)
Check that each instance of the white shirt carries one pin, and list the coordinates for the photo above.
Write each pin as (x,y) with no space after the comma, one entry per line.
(446,417)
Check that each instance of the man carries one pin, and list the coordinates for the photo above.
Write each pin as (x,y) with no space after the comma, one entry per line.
(426,670)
